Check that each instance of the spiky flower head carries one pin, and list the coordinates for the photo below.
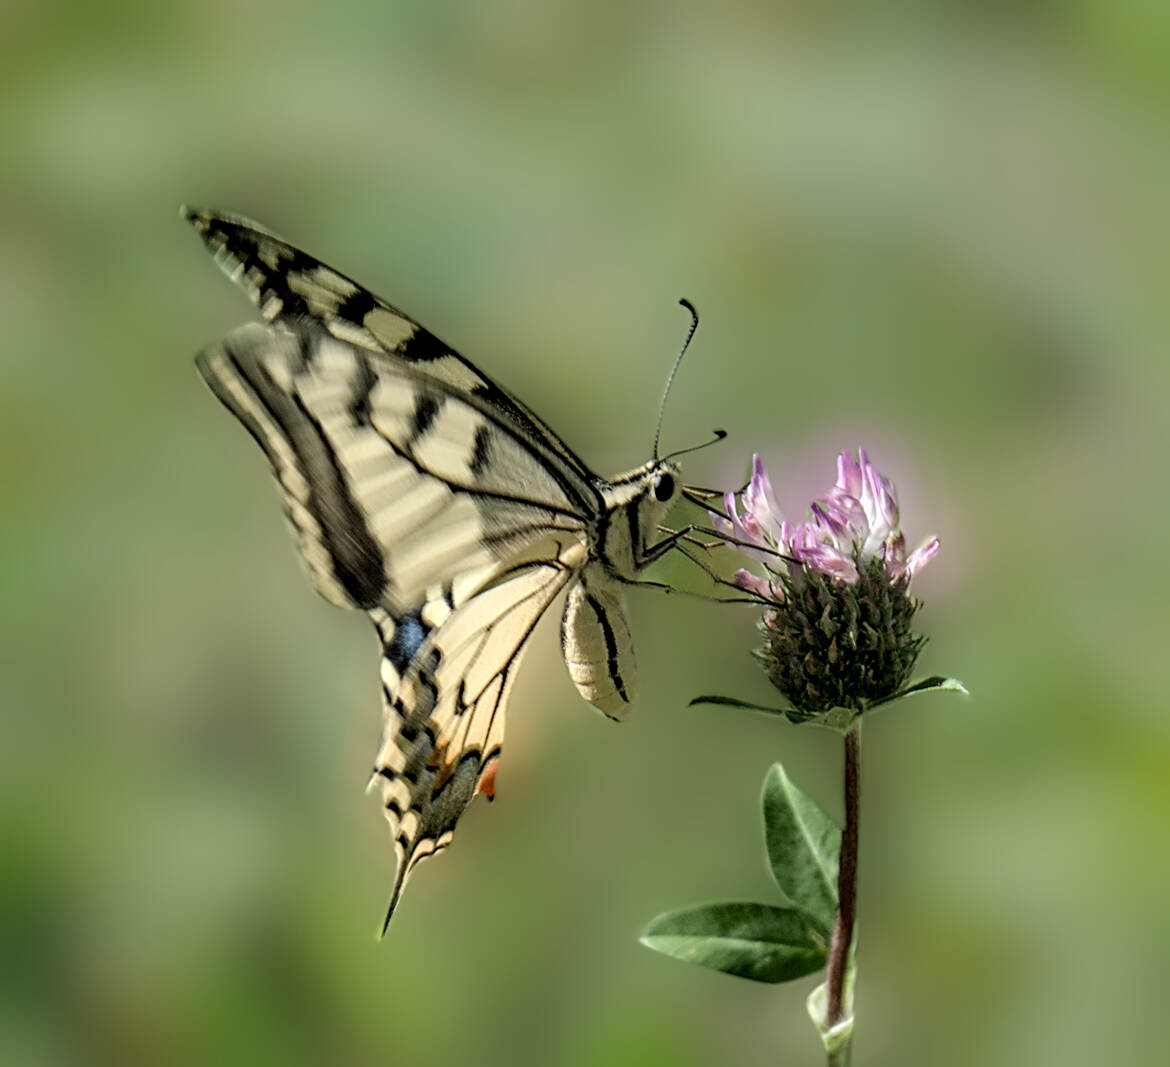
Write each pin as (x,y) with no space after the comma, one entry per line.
(837,625)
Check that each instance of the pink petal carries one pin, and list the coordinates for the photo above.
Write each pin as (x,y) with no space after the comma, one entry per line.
(886,502)
(828,560)
(753,583)
(737,527)
(747,531)
(845,514)
(758,498)
(802,535)
(849,474)
(830,516)
(855,521)
(721,524)
(922,555)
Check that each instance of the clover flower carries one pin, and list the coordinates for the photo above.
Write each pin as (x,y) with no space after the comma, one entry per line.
(837,625)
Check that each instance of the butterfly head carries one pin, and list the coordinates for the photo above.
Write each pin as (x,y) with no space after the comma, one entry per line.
(654,486)
(636,502)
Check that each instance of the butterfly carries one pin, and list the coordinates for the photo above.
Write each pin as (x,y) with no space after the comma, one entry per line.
(429,497)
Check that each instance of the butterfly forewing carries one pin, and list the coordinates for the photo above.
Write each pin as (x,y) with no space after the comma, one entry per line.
(290,286)
(426,495)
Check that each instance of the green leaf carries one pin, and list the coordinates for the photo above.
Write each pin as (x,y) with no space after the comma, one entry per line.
(803,844)
(756,941)
(731,702)
(935,683)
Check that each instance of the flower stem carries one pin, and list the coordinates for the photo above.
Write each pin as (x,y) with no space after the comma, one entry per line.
(846,889)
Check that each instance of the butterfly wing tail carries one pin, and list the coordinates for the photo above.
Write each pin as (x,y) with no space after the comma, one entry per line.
(409,850)
(395,893)
(427,772)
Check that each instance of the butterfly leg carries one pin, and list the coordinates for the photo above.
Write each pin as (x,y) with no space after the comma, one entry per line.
(659,549)
(701,496)
(718,579)
(755,546)
(747,598)
(705,545)
(675,542)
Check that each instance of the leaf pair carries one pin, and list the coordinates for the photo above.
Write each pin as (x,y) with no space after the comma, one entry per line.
(768,942)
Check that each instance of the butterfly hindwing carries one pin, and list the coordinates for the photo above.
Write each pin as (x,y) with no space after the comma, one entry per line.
(447,671)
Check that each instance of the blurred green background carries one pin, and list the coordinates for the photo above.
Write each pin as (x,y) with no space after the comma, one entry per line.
(939,231)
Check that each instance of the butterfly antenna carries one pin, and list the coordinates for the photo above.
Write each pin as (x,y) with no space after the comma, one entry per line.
(719,436)
(674,370)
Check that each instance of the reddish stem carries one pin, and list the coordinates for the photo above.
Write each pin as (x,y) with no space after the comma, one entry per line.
(846,881)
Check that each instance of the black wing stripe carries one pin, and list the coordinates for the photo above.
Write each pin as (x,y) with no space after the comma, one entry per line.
(356,558)
(426,410)
(480,451)
(477,491)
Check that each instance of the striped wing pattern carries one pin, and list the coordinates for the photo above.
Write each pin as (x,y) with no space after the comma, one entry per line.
(426,495)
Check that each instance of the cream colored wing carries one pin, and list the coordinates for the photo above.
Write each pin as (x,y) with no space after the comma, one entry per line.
(447,670)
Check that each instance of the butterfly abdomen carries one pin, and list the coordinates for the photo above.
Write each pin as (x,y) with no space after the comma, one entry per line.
(595,639)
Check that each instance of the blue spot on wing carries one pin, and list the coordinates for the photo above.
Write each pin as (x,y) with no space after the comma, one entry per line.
(409,635)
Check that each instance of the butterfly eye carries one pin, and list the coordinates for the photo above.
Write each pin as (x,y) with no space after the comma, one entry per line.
(664,488)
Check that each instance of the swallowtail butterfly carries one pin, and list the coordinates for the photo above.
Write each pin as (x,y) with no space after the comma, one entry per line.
(427,496)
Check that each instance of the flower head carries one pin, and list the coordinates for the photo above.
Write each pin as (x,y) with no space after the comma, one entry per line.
(838,621)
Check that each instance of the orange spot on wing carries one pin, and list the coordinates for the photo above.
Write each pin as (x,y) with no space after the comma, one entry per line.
(487,778)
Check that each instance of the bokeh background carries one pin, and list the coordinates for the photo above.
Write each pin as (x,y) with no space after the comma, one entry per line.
(939,230)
